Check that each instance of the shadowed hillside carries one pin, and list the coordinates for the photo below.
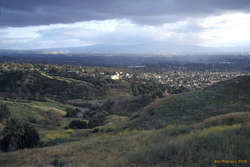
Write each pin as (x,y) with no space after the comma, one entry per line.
(38,85)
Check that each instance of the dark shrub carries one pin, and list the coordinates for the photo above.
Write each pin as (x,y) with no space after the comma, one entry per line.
(93,123)
(96,130)
(96,120)
(72,112)
(77,124)
(4,112)
(58,163)
(32,120)
(18,135)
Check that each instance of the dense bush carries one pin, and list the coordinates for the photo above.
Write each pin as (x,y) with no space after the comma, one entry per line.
(147,88)
(4,111)
(18,135)
(154,89)
(70,112)
(77,124)
(96,119)
(94,123)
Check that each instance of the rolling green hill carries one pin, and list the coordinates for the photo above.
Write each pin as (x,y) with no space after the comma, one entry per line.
(38,85)
(192,107)
(191,129)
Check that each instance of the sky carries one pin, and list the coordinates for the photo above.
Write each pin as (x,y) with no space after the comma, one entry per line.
(162,26)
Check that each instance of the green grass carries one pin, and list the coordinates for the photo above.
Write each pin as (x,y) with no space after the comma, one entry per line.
(190,147)
(114,123)
(225,119)
(38,85)
(43,115)
(195,106)
(191,129)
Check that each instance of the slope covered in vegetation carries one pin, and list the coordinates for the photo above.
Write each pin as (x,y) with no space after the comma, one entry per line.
(191,129)
(192,107)
(38,85)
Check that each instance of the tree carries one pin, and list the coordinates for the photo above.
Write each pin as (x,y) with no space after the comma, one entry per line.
(72,112)
(18,134)
(4,112)
(77,124)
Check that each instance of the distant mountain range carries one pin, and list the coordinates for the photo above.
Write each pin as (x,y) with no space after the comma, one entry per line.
(156,48)
(101,55)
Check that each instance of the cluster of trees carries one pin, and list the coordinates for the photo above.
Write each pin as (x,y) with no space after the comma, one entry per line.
(155,89)
(148,88)
(78,124)
(17,134)
(4,112)
(89,119)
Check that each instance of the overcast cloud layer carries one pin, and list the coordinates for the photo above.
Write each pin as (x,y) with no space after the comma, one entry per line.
(37,12)
(170,24)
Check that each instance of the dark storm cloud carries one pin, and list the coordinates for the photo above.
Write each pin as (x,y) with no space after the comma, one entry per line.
(42,12)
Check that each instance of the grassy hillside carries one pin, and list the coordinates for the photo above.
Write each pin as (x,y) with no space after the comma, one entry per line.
(192,129)
(38,85)
(191,107)
(171,146)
